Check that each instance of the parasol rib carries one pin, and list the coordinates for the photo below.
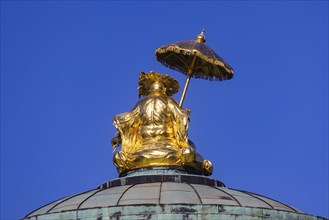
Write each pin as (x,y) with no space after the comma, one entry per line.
(187,81)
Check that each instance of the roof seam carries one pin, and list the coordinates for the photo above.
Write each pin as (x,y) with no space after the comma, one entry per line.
(70,197)
(254,196)
(295,210)
(229,195)
(196,192)
(88,198)
(58,201)
(160,188)
(124,193)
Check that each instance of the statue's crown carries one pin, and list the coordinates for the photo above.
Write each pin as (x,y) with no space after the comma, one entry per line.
(147,80)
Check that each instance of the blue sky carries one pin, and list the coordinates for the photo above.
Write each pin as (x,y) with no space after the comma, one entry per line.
(67,67)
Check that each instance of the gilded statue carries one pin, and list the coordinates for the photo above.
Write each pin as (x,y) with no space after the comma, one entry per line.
(155,131)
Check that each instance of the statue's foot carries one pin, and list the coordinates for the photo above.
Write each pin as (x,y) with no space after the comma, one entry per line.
(207,167)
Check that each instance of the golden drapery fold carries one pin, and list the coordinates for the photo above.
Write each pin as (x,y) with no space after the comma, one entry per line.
(155,131)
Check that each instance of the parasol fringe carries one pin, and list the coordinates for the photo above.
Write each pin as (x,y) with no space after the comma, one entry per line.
(197,76)
(176,49)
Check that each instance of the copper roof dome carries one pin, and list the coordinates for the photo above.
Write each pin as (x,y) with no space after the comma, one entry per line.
(168,194)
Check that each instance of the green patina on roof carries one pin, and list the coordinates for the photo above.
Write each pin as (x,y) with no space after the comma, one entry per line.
(166,194)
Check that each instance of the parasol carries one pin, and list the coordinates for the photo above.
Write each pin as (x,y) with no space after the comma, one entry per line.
(194,59)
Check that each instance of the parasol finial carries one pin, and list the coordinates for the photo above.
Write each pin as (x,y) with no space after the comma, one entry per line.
(201,38)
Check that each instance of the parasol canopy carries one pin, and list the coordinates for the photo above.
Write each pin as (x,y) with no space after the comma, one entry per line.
(194,59)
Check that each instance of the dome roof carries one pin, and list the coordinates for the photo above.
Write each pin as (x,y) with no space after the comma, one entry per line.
(178,191)
(162,193)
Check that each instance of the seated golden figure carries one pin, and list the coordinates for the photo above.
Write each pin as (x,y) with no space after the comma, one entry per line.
(154,132)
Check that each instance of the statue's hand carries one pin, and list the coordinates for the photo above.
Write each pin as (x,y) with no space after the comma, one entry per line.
(116,141)
(188,111)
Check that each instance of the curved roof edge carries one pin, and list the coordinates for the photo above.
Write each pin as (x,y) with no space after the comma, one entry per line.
(161,189)
(175,212)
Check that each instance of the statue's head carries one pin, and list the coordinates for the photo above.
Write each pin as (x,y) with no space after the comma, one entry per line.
(158,87)
(155,82)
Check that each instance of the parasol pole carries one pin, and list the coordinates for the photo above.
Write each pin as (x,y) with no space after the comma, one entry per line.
(187,82)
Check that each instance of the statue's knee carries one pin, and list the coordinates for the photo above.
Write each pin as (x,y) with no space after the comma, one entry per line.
(119,159)
(188,155)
